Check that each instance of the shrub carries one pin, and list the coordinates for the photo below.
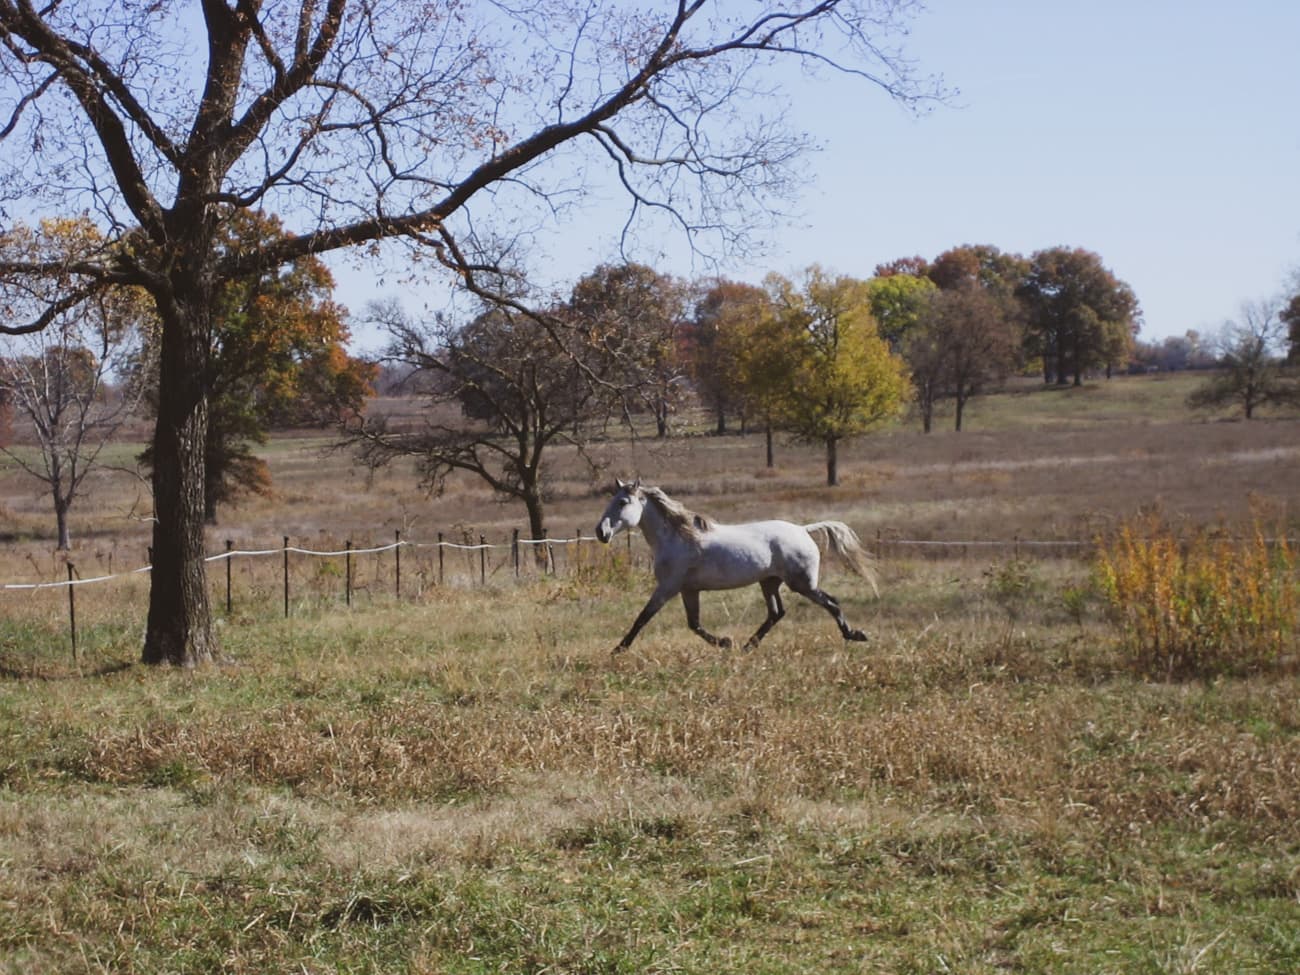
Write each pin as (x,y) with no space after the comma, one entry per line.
(1211,605)
(1011,585)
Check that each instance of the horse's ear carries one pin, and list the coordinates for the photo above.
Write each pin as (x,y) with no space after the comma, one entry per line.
(619,485)
(636,485)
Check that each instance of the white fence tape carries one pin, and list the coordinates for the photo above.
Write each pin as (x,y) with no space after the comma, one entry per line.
(1011,543)
(485,546)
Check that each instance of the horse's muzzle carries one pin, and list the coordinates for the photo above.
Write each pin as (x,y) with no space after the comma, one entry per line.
(604,532)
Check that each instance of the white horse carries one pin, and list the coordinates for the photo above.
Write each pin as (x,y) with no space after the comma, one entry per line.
(693,553)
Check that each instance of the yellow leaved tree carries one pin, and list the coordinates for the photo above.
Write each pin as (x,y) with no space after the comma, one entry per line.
(842,378)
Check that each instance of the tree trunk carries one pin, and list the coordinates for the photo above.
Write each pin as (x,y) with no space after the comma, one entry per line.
(533,504)
(767,436)
(961,408)
(179,630)
(61,522)
(661,419)
(832,461)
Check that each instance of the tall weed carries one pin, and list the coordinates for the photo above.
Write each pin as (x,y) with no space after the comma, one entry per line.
(1199,608)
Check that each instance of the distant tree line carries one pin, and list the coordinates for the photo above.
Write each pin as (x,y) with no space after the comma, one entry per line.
(822,359)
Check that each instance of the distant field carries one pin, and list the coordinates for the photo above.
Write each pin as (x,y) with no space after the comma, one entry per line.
(1032,462)
(463,780)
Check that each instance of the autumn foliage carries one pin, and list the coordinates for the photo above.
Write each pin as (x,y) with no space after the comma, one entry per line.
(1206,606)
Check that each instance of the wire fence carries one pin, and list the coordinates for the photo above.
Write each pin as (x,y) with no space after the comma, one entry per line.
(553,555)
(290,576)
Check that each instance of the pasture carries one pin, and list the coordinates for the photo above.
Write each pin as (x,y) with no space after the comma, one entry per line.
(464,780)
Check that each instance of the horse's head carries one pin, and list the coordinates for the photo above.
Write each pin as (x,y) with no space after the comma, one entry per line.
(624,510)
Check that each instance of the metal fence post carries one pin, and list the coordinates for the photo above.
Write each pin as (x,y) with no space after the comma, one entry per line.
(286,576)
(347,573)
(229,546)
(72,614)
(397,553)
(440,575)
(482,560)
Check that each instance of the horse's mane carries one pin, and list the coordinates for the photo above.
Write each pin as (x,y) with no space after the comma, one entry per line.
(680,518)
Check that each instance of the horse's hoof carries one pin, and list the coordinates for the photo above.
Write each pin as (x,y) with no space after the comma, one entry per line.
(724,642)
(618,649)
(857,636)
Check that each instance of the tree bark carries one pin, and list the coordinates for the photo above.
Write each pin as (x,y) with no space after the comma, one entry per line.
(534,505)
(832,461)
(180,620)
(61,522)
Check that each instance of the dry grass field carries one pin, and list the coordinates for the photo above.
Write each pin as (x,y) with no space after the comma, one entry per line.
(464,780)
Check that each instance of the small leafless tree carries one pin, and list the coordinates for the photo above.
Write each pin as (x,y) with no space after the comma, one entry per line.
(71,385)
(1252,371)
(60,383)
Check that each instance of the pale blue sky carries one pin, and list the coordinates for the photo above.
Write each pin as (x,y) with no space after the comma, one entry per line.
(1163,135)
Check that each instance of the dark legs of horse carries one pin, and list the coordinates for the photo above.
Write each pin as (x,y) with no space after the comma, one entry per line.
(775,610)
(657,600)
(828,603)
(691,600)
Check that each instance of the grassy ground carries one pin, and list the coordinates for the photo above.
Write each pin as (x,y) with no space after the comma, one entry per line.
(471,783)
(466,781)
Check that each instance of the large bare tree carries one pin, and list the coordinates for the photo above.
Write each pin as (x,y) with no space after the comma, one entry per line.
(361,120)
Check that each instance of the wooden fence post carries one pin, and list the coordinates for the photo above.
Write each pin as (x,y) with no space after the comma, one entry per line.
(72,614)
(514,550)
(229,546)
(482,560)
(440,576)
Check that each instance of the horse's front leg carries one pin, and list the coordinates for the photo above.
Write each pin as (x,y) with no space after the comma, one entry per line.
(656,602)
(691,600)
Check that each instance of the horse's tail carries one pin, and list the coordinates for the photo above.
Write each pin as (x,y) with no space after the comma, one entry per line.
(844,542)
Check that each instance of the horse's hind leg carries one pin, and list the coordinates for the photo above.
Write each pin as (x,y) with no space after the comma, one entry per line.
(691,600)
(775,610)
(827,602)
